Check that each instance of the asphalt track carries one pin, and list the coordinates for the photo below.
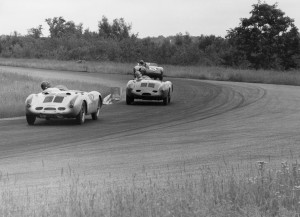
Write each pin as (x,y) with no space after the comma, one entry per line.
(207,123)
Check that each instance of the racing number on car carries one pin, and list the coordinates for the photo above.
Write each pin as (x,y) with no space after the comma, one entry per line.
(91,96)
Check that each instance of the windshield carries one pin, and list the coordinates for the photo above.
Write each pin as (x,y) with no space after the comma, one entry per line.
(61,87)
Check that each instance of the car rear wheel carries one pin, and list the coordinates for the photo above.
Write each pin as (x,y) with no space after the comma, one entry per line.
(129,100)
(30,119)
(95,115)
(81,116)
(167,99)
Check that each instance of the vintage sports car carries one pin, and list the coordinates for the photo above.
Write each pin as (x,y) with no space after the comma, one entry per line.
(59,102)
(147,87)
(150,69)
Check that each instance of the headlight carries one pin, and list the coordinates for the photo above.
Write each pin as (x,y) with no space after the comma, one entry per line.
(161,88)
(28,102)
(72,102)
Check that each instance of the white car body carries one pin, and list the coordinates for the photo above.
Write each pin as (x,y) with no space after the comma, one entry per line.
(150,69)
(63,103)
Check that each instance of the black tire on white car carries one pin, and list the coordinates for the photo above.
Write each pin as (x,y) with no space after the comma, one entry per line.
(129,100)
(167,99)
(95,115)
(81,116)
(30,119)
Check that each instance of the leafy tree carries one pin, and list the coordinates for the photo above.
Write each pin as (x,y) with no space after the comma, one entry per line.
(56,26)
(35,32)
(119,29)
(267,39)
(59,28)
(104,27)
(183,40)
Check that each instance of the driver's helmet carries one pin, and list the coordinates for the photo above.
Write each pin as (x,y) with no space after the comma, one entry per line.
(142,62)
(45,85)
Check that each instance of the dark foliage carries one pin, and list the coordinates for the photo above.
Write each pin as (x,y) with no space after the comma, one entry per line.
(266,40)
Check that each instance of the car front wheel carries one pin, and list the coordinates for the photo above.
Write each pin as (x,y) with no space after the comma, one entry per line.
(81,116)
(30,119)
(129,100)
(167,99)
(95,115)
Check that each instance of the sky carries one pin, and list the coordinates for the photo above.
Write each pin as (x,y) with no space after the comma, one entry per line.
(148,17)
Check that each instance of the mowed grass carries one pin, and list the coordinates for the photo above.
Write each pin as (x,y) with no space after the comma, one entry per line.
(79,66)
(15,88)
(223,191)
(236,75)
(195,72)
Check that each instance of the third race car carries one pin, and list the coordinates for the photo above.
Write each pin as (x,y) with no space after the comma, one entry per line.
(148,84)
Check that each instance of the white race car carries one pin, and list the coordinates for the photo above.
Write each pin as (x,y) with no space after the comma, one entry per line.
(59,102)
(145,86)
(150,69)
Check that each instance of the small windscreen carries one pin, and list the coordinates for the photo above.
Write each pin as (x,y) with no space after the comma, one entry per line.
(143,84)
(62,87)
(48,99)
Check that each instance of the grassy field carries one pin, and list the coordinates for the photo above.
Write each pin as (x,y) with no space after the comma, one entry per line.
(196,72)
(261,191)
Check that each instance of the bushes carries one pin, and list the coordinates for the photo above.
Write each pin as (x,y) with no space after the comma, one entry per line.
(179,50)
(175,50)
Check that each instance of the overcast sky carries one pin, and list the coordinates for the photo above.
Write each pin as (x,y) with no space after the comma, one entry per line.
(147,17)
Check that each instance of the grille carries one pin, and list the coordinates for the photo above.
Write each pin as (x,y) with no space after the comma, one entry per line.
(61,108)
(50,108)
(146,94)
(38,108)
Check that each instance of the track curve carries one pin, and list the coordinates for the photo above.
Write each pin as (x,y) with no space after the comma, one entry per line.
(207,122)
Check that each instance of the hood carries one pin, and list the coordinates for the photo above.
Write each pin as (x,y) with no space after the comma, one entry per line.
(59,97)
(148,83)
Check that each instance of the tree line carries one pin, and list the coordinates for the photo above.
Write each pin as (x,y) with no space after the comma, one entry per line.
(267,39)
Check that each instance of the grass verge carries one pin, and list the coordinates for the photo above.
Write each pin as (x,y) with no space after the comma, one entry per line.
(195,72)
(261,191)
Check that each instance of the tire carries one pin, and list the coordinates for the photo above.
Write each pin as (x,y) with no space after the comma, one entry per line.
(166,100)
(169,100)
(95,115)
(81,116)
(129,100)
(30,119)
